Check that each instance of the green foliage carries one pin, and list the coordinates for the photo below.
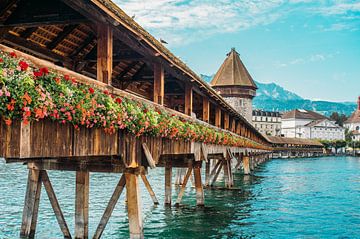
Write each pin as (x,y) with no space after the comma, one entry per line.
(338,118)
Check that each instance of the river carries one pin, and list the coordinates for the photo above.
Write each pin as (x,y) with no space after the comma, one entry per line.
(295,198)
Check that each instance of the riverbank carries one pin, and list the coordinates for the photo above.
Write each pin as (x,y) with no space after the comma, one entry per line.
(287,198)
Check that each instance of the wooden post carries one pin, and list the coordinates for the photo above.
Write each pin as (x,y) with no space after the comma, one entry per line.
(159,82)
(82,204)
(226,121)
(217,117)
(188,99)
(233,125)
(55,204)
(226,173)
(168,176)
(246,164)
(104,53)
(134,206)
(198,185)
(206,109)
(31,204)
(110,207)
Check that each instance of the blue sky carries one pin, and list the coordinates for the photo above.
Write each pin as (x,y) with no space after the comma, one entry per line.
(309,47)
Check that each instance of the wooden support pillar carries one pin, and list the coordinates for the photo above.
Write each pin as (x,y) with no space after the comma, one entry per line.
(246,164)
(206,109)
(183,186)
(217,117)
(31,204)
(198,185)
(104,53)
(207,172)
(168,177)
(159,83)
(110,207)
(233,125)
(82,205)
(55,204)
(238,128)
(226,121)
(134,206)
(188,99)
(149,188)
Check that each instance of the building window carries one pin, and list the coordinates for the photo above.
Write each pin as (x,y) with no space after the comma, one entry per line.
(357,127)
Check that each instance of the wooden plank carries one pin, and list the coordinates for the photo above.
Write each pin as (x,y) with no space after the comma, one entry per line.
(226,121)
(104,53)
(134,206)
(55,204)
(183,186)
(188,99)
(61,36)
(216,174)
(206,110)
(110,207)
(207,172)
(149,188)
(246,164)
(159,83)
(31,204)
(82,205)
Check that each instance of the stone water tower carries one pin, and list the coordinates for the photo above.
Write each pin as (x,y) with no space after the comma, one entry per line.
(235,84)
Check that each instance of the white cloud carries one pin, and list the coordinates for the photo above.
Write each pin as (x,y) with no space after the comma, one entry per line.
(183,21)
(312,58)
(341,7)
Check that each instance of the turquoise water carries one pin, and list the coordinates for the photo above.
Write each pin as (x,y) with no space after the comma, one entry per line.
(302,198)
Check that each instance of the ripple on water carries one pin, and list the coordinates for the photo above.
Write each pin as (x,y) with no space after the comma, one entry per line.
(303,198)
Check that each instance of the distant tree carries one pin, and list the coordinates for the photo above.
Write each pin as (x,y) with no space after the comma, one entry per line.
(348,136)
(327,144)
(338,144)
(338,118)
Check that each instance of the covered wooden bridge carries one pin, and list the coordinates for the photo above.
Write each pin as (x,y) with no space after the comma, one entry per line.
(294,147)
(156,112)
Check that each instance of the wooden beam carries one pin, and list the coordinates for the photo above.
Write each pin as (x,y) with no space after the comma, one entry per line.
(183,186)
(82,205)
(31,204)
(198,186)
(110,207)
(55,204)
(134,206)
(28,32)
(6,5)
(127,69)
(188,99)
(104,53)
(217,117)
(61,36)
(206,109)
(159,82)
(90,38)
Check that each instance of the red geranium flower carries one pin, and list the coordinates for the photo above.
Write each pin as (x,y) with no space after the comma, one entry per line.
(13,54)
(1,60)
(38,73)
(23,65)
(106,92)
(44,70)
(66,77)
(91,90)
(118,100)
(145,111)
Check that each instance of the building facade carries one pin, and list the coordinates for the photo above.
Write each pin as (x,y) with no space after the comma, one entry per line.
(234,83)
(268,123)
(308,124)
(353,123)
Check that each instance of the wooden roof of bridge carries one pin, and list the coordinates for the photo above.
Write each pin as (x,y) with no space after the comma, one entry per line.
(64,32)
(293,141)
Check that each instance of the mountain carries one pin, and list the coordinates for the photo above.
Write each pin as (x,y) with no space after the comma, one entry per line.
(273,97)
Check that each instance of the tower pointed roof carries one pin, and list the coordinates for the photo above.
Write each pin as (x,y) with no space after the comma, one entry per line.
(233,73)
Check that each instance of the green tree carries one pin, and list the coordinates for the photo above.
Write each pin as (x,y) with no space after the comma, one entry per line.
(338,118)
(338,144)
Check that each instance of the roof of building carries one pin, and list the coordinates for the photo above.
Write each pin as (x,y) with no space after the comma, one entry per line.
(266,113)
(233,73)
(354,118)
(295,141)
(303,114)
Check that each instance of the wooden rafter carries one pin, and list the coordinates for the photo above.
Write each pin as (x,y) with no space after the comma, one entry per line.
(61,36)
(28,32)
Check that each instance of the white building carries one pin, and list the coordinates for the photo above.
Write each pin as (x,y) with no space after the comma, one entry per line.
(268,123)
(353,123)
(307,124)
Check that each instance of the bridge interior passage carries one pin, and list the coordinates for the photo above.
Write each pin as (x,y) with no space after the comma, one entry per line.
(94,39)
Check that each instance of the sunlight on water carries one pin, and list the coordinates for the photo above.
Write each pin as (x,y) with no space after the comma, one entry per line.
(302,198)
